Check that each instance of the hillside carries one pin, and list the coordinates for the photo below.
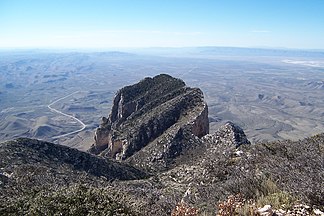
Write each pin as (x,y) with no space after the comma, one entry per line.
(160,168)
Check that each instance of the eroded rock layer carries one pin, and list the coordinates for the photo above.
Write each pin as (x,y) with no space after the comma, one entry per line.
(153,112)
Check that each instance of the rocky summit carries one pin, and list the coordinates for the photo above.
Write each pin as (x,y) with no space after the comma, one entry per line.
(152,122)
(153,155)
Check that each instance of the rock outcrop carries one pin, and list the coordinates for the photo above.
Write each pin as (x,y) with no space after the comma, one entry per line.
(228,134)
(158,122)
(154,116)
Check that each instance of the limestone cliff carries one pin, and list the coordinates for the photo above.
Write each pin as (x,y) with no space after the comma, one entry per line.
(153,111)
(158,123)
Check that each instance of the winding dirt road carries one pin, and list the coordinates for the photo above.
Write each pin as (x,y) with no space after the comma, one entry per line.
(67,115)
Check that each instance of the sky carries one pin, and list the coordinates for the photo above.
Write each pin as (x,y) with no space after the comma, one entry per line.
(161,23)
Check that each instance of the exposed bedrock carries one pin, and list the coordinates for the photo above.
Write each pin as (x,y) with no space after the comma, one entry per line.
(152,122)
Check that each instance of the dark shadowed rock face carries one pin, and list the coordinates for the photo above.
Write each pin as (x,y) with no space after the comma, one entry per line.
(153,112)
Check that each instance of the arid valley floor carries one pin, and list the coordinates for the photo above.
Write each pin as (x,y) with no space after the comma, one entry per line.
(61,96)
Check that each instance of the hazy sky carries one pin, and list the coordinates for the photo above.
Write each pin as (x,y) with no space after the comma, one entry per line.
(161,23)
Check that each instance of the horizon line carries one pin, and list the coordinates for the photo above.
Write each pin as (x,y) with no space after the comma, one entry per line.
(161,47)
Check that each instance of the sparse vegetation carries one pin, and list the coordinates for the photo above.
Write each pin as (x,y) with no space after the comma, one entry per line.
(279,200)
(72,200)
(34,180)
(183,209)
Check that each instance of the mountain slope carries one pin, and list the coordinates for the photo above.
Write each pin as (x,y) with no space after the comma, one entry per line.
(33,179)
(186,164)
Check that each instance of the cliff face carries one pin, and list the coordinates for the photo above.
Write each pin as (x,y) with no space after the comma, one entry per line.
(152,112)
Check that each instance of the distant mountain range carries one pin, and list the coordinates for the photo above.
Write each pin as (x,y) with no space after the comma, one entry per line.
(230,51)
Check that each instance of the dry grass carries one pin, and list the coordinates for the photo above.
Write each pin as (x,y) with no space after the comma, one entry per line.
(183,209)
